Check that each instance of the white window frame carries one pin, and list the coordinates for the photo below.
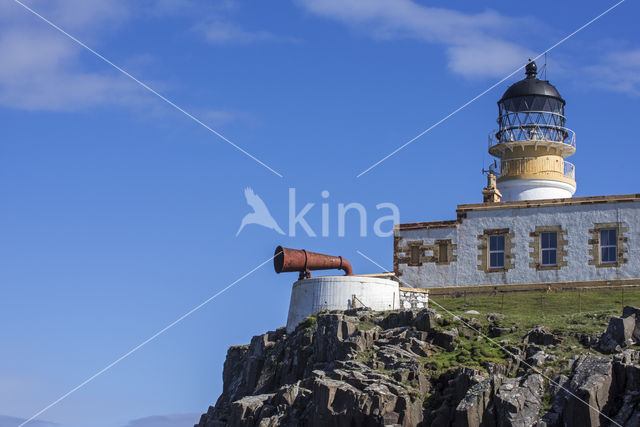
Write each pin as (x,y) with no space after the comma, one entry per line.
(614,245)
(498,251)
(543,250)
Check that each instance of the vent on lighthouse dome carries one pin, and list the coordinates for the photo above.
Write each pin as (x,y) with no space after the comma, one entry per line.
(532,86)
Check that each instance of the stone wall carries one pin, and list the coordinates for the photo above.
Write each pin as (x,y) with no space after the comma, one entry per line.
(574,219)
(413,298)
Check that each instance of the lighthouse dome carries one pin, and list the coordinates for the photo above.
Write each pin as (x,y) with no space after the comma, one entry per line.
(532,94)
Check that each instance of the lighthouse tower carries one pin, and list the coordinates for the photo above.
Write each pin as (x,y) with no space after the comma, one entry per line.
(532,142)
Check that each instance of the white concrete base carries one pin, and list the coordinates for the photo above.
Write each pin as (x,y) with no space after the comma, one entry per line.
(534,189)
(309,296)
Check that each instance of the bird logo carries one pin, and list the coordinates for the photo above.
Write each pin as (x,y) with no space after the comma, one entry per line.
(260,214)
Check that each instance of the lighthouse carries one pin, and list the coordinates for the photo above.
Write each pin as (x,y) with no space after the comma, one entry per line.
(528,230)
(532,142)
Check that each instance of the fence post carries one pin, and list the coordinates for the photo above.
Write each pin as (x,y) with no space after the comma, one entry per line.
(579,300)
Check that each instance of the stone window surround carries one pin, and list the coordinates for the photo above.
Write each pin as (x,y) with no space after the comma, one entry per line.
(483,248)
(451,257)
(416,246)
(594,241)
(422,248)
(536,252)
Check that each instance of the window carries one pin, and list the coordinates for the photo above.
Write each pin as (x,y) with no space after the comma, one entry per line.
(607,240)
(549,248)
(609,246)
(443,252)
(414,256)
(495,247)
(496,251)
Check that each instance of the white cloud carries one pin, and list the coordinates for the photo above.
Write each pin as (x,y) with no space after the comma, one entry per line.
(214,23)
(223,32)
(42,69)
(219,117)
(474,43)
(82,14)
(618,71)
(43,72)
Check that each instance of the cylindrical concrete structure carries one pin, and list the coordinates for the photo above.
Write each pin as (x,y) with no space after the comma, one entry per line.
(535,189)
(310,296)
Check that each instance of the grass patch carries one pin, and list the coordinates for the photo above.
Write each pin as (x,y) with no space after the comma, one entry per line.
(546,403)
(383,371)
(308,322)
(469,354)
(562,312)
(366,355)
(366,325)
(568,314)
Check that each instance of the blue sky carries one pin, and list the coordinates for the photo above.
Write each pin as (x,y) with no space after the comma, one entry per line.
(119,214)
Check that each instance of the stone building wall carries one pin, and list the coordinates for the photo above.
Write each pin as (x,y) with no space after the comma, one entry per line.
(413,299)
(577,222)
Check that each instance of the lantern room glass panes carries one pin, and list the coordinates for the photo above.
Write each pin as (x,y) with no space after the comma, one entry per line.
(609,246)
(531,118)
(496,251)
(549,249)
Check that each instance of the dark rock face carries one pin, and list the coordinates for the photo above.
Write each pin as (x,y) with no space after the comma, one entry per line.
(477,407)
(317,375)
(361,368)
(541,337)
(622,331)
(518,400)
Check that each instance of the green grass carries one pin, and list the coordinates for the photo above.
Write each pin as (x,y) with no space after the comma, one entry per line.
(308,322)
(468,353)
(546,403)
(365,325)
(366,355)
(559,311)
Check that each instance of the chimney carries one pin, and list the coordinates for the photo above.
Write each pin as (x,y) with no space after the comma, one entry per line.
(491,194)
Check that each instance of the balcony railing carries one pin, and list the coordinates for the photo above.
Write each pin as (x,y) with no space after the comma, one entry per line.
(533,132)
(569,170)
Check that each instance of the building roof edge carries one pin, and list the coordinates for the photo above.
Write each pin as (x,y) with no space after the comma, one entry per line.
(549,202)
(519,204)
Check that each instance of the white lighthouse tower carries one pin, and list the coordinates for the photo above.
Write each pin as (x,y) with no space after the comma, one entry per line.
(532,142)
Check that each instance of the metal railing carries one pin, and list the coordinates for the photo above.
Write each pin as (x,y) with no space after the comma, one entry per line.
(569,170)
(533,132)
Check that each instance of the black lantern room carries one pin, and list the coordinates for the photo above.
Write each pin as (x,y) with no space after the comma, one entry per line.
(531,110)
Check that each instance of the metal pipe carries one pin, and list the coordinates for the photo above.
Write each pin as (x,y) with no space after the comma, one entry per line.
(286,259)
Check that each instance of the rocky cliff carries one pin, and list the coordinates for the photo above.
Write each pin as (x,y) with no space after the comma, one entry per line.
(406,368)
